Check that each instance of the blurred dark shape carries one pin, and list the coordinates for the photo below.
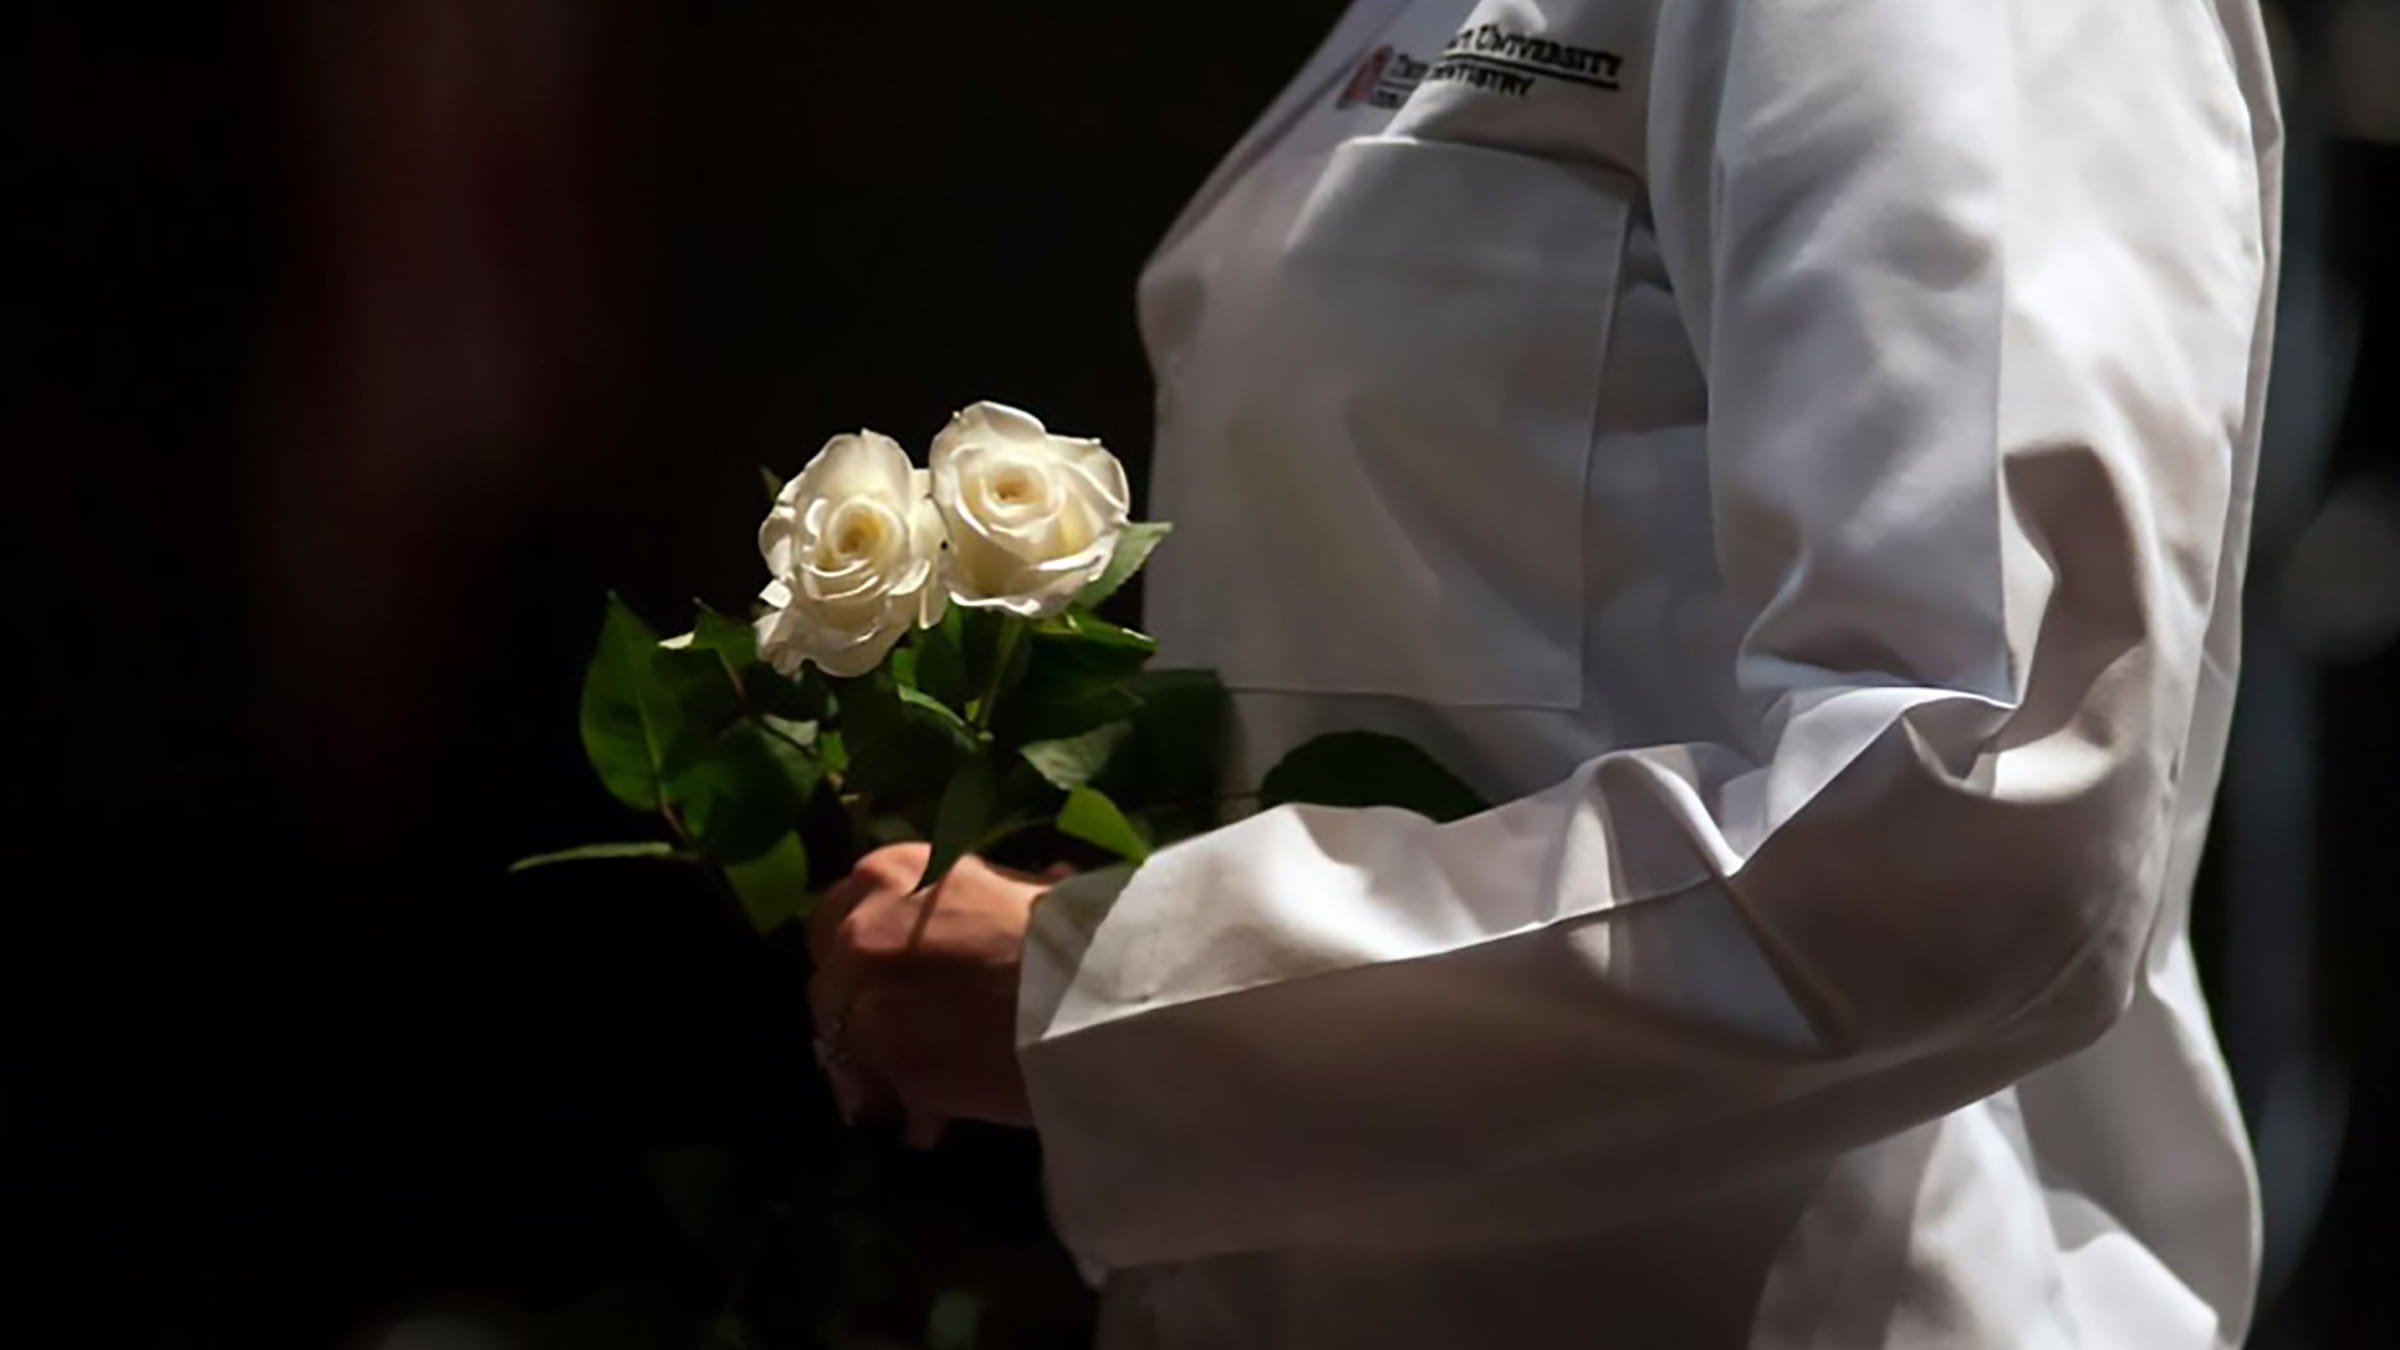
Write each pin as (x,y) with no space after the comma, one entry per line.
(2309,788)
(448,331)
(370,344)
(2361,49)
(2341,585)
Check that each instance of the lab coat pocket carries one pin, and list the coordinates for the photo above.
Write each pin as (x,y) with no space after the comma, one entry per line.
(1416,425)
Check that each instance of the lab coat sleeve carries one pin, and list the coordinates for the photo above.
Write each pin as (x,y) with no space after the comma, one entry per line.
(1977,358)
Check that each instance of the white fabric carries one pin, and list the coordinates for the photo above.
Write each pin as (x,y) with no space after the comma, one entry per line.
(1807,483)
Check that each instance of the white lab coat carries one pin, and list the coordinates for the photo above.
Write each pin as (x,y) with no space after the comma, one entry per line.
(1797,457)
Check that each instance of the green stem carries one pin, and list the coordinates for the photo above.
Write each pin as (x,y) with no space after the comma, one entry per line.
(751,711)
(1011,627)
(698,856)
(675,822)
(734,678)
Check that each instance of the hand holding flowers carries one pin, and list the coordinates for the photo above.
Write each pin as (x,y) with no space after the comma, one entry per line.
(923,722)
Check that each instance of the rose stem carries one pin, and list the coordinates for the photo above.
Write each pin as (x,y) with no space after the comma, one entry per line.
(1010,626)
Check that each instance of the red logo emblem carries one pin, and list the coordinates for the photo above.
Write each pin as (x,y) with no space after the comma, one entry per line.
(1365,78)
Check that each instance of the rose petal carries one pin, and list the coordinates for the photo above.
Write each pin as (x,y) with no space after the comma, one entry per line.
(984,421)
(861,656)
(1092,462)
(775,539)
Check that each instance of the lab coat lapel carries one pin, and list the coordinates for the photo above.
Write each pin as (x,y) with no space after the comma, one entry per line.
(1333,61)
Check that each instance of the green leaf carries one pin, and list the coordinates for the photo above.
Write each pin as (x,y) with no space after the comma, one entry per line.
(942,666)
(898,748)
(664,726)
(965,815)
(657,849)
(801,698)
(773,887)
(1366,768)
(1025,719)
(940,712)
(727,636)
(1180,726)
(619,715)
(832,751)
(1074,761)
(955,1321)
(773,481)
(643,706)
(1089,815)
(801,735)
(995,795)
(792,745)
(1133,549)
(1081,628)
(742,791)
(705,697)
(1076,656)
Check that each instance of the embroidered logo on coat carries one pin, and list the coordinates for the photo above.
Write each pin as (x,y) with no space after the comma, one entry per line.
(1503,60)
(1384,79)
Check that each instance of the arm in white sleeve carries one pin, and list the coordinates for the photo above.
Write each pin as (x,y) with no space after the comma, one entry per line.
(1973,287)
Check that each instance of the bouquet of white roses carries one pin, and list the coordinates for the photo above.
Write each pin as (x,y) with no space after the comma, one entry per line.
(926,663)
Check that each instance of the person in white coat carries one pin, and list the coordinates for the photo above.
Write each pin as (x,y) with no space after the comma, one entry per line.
(1796,457)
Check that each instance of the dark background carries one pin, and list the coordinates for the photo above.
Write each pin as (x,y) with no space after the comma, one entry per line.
(365,345)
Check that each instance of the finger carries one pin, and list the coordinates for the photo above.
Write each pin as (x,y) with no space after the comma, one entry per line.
(892,869)
(849,1096)
(832,1004)
(860,1096)
(840,967)
(871,1022)
(834,906)
(885,1036)
(889,1031)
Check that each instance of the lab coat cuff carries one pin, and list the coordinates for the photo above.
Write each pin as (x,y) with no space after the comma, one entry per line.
(1063,921)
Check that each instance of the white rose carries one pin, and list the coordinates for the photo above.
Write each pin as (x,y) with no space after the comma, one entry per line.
(854,547)
(1032,517)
